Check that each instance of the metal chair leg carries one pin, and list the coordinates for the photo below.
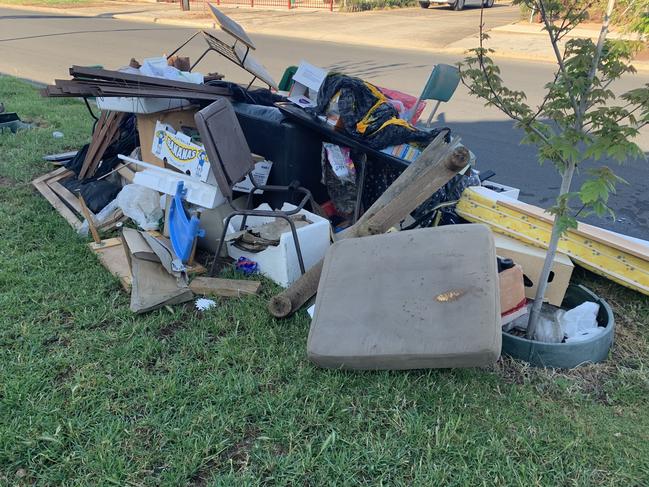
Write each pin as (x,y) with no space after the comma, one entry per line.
(298,250)
(248,207)
(360,183)
(214,269)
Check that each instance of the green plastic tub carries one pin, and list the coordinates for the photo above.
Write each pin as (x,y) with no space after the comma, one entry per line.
(567,355)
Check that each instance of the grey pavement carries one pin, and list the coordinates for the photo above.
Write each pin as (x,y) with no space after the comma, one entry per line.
(41,47)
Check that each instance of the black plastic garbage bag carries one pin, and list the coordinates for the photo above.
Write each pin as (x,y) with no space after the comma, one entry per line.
(367,115)
(96,194)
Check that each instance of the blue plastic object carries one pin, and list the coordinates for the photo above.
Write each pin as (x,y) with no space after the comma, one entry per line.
(442,83)
(182,230)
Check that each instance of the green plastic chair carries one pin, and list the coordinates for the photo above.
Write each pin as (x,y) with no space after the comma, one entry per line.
(441,85)
(287,79)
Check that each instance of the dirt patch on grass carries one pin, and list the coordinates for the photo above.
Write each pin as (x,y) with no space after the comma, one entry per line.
(236,457)
(6,182)
(169,330)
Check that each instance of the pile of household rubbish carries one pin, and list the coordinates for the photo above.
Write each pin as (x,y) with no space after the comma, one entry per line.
(379,225)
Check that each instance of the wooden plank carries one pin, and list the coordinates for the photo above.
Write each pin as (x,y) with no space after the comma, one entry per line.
(227,288)
(112,256)
(80,71)
(583,229)
(100,142)
(90,219)
(63,193)
(64,175)
(100,132)
(49,175)
(107,242)
(616,263)
(58,205)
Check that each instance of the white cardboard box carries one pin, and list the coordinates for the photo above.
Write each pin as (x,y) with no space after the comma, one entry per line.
(307,81)
(260,173)
(502,189)
(280,263)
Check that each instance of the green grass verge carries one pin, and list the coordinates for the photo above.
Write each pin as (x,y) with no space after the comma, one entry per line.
(91,394)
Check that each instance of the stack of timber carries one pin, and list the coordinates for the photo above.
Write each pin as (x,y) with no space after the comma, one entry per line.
(97,82)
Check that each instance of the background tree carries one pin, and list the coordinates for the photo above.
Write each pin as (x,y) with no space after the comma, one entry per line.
(578,119)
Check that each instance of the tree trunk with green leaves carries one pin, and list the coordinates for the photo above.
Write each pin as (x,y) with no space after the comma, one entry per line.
(576,121)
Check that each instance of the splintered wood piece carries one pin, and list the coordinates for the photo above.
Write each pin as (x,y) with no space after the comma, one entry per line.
(41,186)
(67,196)
(227,288)
(105,132)
(90,219)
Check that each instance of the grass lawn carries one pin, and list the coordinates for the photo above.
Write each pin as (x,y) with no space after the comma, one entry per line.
(91,394)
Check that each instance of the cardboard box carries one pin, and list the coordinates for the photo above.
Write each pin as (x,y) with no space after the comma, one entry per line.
(531,260)
(178,150)
(146,127)
(307,81)
(512,294)
(260,173)
(132,104)
(502,189)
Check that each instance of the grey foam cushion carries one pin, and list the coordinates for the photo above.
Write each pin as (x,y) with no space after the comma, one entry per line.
(424,298)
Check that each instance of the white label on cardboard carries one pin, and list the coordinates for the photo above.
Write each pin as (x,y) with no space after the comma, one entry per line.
(306,84)
(260,173)
(177,150)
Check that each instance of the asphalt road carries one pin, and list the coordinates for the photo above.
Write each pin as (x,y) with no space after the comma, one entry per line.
(41,47)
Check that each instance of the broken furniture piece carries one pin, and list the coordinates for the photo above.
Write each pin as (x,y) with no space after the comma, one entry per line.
(238,53)
(231,161)
(425,298)
(183,230)
(440,87)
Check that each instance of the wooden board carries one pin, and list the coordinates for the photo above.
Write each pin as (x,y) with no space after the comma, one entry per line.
(227,288)
(66,203)
(112,256)
(56,202)
(612,256)
(65,195)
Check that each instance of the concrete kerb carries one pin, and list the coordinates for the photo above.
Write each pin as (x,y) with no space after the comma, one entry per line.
(313,36)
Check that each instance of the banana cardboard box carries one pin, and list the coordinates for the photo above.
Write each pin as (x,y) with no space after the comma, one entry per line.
(178,150)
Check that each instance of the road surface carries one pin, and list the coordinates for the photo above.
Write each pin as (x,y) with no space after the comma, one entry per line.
(41,47)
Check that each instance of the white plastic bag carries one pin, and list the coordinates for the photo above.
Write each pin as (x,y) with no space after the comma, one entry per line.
(580,323)
(548,329)
(107,212)
(141,204)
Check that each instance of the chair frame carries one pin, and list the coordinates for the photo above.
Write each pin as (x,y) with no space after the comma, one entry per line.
(285,215)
